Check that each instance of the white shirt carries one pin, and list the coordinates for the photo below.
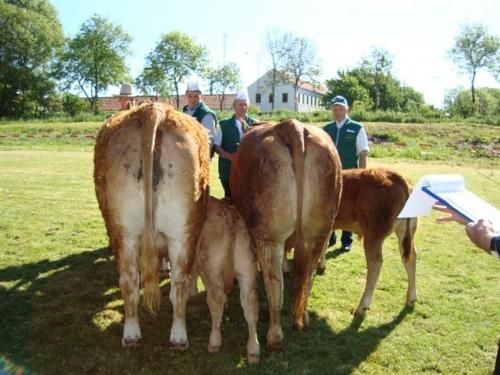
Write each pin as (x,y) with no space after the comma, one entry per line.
(208,122)
(239,126)
(361,139)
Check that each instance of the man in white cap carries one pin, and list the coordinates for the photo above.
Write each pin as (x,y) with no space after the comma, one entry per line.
(232,130)
(201,112)
(126,97)
(352,145)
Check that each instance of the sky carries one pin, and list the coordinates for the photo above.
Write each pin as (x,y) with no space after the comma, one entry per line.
(416,33)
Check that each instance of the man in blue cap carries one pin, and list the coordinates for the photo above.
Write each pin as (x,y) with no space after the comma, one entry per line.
(352,145)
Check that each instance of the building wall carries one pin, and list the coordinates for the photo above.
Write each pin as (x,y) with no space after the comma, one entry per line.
(307,100)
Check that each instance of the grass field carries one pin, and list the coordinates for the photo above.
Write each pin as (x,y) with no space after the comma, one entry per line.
(61,309)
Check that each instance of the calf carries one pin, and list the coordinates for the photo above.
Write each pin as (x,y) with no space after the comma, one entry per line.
(225,252)
(370,203)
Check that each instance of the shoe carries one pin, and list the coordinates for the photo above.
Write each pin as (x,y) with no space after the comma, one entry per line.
(346,248)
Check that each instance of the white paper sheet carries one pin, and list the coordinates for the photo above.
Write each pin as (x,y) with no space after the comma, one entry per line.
(449,190)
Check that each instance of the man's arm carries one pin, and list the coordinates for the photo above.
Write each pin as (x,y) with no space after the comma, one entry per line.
(222,153)
(362,148)
(208,122)
(481,234)
(363,156)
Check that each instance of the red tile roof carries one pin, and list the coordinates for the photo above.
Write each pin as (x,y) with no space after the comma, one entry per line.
(112,103)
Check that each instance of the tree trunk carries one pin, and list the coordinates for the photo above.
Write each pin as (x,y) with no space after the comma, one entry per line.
(221,101)
(472,90)
(296,103)
(177,99)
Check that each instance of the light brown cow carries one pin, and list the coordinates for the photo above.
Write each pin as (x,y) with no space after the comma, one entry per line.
(369,206)
(225,252)
(151,174)
(286,179)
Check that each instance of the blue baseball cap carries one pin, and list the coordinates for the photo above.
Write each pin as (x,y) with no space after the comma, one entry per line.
(340,100)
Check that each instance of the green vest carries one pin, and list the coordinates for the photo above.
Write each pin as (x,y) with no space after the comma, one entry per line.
(229,143)
(200,111)
(345,141)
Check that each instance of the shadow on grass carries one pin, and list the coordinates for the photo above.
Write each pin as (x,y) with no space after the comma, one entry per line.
(65,316)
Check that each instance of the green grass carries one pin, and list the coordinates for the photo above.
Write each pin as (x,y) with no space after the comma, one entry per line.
(61,310)
(451,142)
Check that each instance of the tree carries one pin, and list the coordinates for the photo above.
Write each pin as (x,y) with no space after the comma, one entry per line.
(373,85)
(378,66)
(31,36)
(153,84)
(95,59)
(349,86)
(476,49)
(276,44)
(300,62)
(226,77)
(175,57)
(458,102)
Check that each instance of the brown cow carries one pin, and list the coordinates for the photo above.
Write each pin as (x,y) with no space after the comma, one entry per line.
(151,174)
(286,179)
(225,251)
(369,206)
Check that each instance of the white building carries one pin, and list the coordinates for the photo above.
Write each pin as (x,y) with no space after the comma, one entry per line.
(309,98)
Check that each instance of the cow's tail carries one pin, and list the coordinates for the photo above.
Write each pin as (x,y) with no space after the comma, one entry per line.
(296,143)
(152,117)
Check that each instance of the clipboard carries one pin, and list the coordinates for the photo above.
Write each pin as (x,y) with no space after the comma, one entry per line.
(450,191)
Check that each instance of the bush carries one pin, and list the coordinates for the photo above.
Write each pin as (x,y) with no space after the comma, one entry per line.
(73,105)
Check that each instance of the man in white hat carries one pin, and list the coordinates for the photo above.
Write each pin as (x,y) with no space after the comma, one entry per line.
(232,130)
(201,112)
(126,97)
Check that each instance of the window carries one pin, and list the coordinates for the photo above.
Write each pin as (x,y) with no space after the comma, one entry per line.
(257,98)
(271,98)
(284,97)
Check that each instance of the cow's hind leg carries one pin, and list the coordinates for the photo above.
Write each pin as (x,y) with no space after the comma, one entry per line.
(373,254)
(246,273)
(408,256)
(270,258)
(128,249)
(307,256)
(214,285)
(180,284)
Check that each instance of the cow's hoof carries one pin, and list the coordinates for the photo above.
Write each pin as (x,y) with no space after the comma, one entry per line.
(275,348)
(360,311)
(411,303)
(131,342)
(253,359)
(213,349)
(180,346)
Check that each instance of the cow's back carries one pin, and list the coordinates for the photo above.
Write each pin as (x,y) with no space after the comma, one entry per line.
(371,200)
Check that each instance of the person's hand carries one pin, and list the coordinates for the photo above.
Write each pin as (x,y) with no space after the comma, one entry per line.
(452,215)
(481,233)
